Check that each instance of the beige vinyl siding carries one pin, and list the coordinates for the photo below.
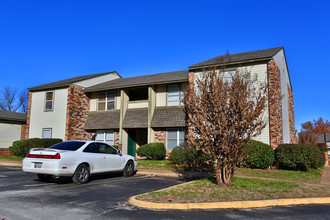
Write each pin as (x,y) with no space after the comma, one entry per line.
(55,119)
(93,102)
(97,80)
(279,59)
(9,132)
(261,71)
(118,99)
(138,104)
(161,95)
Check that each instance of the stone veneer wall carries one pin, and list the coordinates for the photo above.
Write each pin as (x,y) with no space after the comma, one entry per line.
(275,104)
(5,152)
(23,131)
(191,85)
(28,114)
(293,137)
(116,137)
(77,111)
(160,135)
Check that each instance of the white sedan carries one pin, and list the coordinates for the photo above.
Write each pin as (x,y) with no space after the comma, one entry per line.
(78,159)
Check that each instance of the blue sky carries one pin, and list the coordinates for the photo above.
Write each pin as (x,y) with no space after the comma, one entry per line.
(45,41)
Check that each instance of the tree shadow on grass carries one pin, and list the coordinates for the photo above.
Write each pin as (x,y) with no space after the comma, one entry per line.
(193,173)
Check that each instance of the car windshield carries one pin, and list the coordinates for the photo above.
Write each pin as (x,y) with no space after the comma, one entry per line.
(69,145)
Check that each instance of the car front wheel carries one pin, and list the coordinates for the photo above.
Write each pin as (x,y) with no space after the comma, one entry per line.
(81,175)
(129,169)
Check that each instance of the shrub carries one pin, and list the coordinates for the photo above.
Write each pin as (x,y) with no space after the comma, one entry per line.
(115,146)
(299,157)
(258,155)
(189,158)
(22,147)
(152,151)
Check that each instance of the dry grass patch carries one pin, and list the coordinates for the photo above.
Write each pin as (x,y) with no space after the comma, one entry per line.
(243,189)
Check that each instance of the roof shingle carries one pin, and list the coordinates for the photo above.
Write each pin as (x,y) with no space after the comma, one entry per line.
(12,116)
(168,117)
(102,120)
(67,82)
(136,118)
(177,76)
(240,57)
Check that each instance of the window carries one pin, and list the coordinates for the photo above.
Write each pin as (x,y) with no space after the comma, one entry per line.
(70,145)
(46,133)
(106,101)
(138,94)
(174,137)
(174,95)
(100,148)
(91,148)
(49,101)
(226,75)
(106,136)
(106,149)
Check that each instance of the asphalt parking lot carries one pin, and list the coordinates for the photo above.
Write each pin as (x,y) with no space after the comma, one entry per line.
(23,196)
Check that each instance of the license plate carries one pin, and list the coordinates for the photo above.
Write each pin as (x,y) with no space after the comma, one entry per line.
(37,165)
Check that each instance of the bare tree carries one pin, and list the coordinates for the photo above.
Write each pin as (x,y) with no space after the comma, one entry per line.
(13,100)
(223,113)
(307,138)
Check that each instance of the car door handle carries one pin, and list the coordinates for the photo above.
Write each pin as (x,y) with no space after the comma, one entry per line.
(104,158)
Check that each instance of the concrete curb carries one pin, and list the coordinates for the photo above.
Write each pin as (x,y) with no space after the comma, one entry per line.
(225,205)
(228,205)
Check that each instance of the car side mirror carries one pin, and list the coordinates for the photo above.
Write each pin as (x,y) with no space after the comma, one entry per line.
(119,152)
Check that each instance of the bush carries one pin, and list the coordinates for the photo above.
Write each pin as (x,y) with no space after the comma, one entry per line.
(115,146)
(258,155)
(22,147)
(152,151)
(189,158)
(299,157)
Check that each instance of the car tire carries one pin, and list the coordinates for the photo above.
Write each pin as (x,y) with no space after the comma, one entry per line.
(81,175)
(44,177)
(129,169)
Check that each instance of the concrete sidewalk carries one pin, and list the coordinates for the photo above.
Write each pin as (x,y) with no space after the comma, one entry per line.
(12,163)
(325,180)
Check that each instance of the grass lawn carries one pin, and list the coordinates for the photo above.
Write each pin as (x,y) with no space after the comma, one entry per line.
(154,164)
(206,190)
(11,158)
(312,175)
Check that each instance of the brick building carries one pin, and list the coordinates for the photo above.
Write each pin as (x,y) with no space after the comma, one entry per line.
(134,111)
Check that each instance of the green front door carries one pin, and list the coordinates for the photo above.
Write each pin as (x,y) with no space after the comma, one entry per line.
(131,142)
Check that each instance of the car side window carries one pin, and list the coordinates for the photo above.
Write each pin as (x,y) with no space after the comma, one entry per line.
(107,149)
(91,148)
